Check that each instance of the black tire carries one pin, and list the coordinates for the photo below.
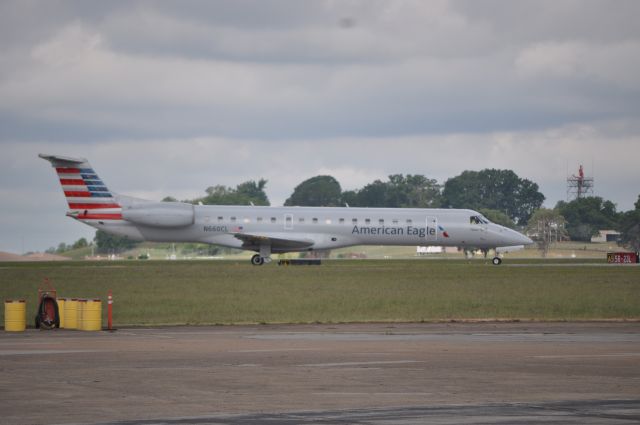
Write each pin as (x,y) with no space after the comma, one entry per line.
(257,260)
(496,261)
(43,321)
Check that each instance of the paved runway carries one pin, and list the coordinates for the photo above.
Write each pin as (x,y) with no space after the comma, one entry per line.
(332,374)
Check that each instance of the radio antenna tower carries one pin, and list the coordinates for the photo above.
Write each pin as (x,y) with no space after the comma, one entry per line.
(579,186)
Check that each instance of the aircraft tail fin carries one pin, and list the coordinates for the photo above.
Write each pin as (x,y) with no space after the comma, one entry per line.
(88,197)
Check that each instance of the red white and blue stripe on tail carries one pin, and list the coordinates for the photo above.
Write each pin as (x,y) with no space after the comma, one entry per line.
(87,195)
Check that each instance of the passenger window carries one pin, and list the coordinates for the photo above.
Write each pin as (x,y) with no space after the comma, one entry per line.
(301,219)
(395,221)
(220,218)
(367,221)
(381,221)
(328,221)
(341,221)
(409,221)
(233,219)
(314,220)
(247,220)
(354,220)
(273,219)
(259,219)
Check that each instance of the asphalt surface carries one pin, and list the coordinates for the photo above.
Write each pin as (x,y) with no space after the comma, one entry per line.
(476,373)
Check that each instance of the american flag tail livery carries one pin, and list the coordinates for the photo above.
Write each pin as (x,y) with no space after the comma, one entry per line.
(87,195)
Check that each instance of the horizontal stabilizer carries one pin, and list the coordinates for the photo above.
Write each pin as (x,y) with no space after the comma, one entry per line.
(62,161)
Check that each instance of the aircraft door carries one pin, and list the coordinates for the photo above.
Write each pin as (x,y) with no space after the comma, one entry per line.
(288,222)
(432,229)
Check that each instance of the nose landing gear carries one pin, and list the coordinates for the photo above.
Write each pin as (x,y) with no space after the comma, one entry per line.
(496,261)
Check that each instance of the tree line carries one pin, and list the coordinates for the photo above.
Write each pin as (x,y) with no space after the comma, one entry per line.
(63,247)
(501,195)
(501,192)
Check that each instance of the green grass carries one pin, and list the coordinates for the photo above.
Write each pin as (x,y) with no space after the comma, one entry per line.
(224,292)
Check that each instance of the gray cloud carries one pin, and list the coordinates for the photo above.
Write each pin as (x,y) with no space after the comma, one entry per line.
(167,98)
(402,68)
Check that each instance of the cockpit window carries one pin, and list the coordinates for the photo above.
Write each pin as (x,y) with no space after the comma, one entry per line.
(478,219)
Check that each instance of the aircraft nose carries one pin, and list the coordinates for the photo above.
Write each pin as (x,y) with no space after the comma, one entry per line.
(520,239)
(525,240)
(517,238)
(510,237)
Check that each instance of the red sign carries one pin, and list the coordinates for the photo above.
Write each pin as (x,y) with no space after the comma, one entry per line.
(622,257)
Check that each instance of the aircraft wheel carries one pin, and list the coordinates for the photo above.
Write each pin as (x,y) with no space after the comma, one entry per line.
(496,261)
(257,260)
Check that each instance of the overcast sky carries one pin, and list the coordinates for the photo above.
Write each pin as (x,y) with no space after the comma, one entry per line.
(168,98)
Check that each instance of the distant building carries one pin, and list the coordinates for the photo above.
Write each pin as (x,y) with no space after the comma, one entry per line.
(606,236)
(424,250)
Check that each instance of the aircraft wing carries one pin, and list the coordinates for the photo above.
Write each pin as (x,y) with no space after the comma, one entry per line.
(278,241)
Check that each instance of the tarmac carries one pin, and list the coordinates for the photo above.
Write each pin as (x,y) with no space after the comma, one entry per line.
(447,373)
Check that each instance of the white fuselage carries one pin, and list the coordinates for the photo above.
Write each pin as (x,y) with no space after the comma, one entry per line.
(290,229)
(268,230)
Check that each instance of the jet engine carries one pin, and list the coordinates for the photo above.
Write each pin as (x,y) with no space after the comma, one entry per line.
(160,214)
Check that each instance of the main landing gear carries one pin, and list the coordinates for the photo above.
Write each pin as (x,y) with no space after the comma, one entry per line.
(263,257)
(257,260)
(496,261)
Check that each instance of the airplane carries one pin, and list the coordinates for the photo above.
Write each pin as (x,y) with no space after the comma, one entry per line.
(272,230)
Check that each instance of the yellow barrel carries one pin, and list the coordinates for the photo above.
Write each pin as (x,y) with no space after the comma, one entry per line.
(71,313)
(61,302)
(92,315)
(15,315)
(80,314)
